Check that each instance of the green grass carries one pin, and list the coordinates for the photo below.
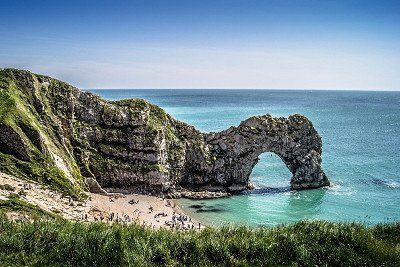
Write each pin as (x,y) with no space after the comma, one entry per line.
(18,112)
(15,204)
(7,105)
(63,243)
(42,171)
(7,187)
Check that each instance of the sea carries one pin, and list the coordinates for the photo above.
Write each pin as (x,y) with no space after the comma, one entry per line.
(360,131)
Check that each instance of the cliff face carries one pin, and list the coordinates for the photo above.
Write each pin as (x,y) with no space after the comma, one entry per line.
(54,133)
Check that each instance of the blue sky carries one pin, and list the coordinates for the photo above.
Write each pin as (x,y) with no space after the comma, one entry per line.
(206,44)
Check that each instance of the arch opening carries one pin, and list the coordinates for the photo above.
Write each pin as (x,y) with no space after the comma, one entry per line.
(270,174)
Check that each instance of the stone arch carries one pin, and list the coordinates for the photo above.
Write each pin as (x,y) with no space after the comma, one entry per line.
(230,155)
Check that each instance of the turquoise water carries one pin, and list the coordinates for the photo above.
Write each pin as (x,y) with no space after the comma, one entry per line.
(361,143)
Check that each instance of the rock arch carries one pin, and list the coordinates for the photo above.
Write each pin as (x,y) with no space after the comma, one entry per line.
(226,159)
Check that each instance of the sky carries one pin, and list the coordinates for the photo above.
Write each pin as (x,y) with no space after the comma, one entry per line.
(270,44)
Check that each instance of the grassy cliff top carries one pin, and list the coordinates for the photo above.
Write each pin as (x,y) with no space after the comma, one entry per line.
(64,243)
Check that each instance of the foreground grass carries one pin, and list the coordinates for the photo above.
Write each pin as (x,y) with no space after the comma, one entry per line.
(59,242)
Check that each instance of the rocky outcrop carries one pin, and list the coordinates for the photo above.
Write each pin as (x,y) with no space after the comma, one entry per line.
(231,155)
(94,187)
(134,145)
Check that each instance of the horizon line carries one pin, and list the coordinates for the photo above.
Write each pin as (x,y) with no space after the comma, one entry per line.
(180,88)
(265,89)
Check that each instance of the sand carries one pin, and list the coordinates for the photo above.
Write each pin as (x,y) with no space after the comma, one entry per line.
(144,210)
(131,208)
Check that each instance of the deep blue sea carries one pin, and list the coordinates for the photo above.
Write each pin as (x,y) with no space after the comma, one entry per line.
(361,153)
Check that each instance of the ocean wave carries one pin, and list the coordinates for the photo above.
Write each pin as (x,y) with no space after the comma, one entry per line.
(392,184)
(386,183)
(338,189)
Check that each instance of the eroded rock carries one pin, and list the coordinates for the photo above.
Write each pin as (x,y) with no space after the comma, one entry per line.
(293,139)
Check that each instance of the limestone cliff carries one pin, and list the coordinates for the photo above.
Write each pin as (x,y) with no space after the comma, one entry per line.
(57,134)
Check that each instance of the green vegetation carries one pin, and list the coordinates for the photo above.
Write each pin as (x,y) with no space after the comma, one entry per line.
(33,138)
(159,122)
(104,164)
(7,187)
(157,116)
(64,243)
(7,105)
(15,204)
(43,171)
(134,103)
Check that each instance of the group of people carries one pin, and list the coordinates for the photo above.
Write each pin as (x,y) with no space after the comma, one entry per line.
(177,221)
(170,205)
(181,222)
(132,201)
(112,217)
(160,214)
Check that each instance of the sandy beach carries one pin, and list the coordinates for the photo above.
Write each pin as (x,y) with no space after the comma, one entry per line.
(150,211)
